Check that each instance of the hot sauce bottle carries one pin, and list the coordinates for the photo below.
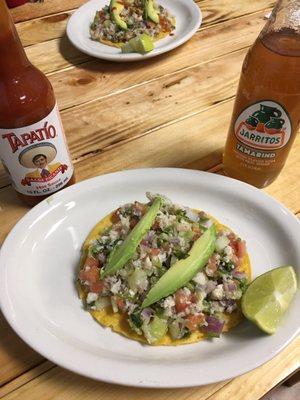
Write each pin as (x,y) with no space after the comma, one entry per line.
(266,113)
(33,147)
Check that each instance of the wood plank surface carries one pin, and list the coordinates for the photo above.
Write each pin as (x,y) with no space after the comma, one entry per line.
(58,54)
(57,384)
(31,11)
(94,79)
(222,8)
(53,27)
(256,383)
(173,110)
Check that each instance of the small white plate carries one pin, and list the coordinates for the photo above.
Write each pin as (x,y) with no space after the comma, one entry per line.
(39,259)
(188,20)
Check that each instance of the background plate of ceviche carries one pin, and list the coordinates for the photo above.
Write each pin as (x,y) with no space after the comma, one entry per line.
(101,28)
(51,294)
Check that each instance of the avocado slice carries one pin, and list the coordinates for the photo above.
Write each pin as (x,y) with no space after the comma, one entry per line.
(116,8)
(150,12)
(120,255)
(183,270)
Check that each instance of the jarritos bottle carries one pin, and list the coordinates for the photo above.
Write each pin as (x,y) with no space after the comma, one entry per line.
(266,114)
(33,148)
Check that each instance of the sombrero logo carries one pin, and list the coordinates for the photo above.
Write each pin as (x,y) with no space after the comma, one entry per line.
(264,125)
(40,156)
(36,156)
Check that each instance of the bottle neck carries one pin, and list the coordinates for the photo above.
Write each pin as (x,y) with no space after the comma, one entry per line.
(285,15)
(12,54)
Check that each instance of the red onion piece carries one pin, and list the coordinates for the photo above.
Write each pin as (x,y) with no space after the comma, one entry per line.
(214,326)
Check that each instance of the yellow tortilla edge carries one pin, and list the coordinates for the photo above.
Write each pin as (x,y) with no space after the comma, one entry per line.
(117,321)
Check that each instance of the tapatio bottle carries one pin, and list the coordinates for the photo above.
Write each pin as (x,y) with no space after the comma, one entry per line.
(266,113)
(33,148)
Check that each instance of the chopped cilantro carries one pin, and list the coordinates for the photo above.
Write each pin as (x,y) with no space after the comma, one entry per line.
(136,319)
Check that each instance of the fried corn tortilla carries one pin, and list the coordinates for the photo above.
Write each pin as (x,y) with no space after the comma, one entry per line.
(118,322)
(161,35)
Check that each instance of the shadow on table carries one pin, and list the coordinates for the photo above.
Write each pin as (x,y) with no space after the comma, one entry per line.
(89,63)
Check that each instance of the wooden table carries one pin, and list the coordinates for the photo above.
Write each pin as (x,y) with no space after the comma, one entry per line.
(174,111)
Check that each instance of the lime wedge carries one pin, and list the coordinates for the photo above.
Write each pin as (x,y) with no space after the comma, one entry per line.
(139,44)
(126,48)
(268,297)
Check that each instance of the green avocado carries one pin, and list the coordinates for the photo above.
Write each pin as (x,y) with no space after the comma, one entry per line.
(183,270)
(115,10)
(150,12)
(120,255)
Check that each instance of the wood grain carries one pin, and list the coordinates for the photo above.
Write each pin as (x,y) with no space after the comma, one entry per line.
(94,80)
(60,54)
(58,383)
(31,11)
(170,111)
(53,27)
(163,100)
(43,29)
(255,384)
(157,150)
(25,377)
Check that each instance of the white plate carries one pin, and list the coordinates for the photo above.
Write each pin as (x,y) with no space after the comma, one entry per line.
(188,20)
(37,273)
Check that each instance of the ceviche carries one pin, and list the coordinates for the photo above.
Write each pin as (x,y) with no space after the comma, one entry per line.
(163,273)
(123,20)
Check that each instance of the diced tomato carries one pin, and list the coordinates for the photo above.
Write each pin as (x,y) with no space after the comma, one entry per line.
(197,232)
(155,252)
(164,23)
(91,262)
(196,237)
(235,260)
(239,247)
(116,216)
(193,321)
(182,301)
(194,298)
(89,275)
(133,222)
(96,287)
(155,225)
(120,303)
(212,264)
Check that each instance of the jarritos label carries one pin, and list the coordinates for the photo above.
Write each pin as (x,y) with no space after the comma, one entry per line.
(36,156)
(264,125)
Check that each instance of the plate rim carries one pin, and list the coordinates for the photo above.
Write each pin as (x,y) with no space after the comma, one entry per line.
(57,198)
(131,57)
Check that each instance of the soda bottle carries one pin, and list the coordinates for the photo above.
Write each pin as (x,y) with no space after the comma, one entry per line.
(266,113)
(33,148)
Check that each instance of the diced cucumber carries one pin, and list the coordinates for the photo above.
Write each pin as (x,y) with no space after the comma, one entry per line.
(102,302)
(221,243)
(177,329)
(138,279)
(155,330)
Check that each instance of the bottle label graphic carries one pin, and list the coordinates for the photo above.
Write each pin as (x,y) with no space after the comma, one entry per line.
(264,125)
(36,156)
